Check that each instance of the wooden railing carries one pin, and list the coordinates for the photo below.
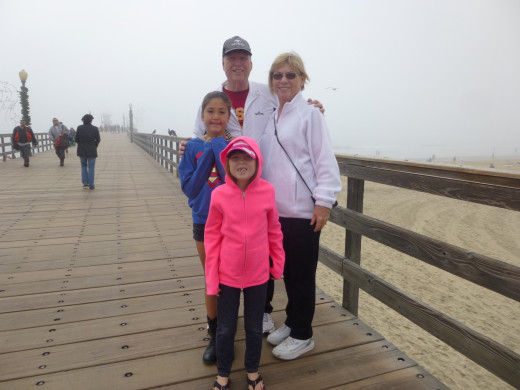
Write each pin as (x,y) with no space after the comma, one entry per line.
(489,188)
(164,149)
(44,143)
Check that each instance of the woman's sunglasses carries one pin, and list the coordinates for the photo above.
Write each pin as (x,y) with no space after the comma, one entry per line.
(288,75)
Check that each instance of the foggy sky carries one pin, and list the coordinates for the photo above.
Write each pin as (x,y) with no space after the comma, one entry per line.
(412,77)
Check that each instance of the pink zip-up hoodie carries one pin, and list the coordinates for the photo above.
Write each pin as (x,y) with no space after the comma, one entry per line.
(242,231)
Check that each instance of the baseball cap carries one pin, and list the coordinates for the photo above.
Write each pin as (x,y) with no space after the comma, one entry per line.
(242,146)
(235,43)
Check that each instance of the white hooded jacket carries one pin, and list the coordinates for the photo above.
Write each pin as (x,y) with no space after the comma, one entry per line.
(260,104)
(303,132)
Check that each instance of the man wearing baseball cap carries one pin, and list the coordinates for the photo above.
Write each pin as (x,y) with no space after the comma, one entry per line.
(252,102)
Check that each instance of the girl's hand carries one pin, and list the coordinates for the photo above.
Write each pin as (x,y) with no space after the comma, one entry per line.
(217,294)
(320,217)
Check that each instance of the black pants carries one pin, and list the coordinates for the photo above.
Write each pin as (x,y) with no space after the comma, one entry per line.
(301,245)
(60,152)
(228,303)
(269,294)
(25,152)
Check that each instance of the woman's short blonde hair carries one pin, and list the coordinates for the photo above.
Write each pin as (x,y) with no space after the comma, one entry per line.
(295,62)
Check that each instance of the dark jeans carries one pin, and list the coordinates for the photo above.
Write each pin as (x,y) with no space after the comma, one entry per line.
(228,303)
(60,152)
(25,152)
(301,245)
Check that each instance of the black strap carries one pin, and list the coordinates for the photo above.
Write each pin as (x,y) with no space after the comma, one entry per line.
(287,154)
(297,171)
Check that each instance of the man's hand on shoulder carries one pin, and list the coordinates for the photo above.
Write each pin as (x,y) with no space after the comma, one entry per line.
(317,104)
(182,147)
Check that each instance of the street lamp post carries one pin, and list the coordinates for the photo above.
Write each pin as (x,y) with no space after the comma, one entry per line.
(131,120)
(24,98)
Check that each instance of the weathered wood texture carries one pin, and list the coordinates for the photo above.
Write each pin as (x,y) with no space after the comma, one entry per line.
(104,290)
(495,189)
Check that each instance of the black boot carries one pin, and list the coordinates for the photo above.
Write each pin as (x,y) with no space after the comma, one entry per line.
(210,354)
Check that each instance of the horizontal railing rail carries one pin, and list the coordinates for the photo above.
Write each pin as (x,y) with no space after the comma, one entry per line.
(164,149)
(496,189)
(7,151)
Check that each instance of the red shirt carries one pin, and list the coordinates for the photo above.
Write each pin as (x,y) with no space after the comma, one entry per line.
(238,101)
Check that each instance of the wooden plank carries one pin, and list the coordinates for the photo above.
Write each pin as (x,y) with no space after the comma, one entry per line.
(46,264)
(40,229)
(91,250)
(78,248)
(485,176)
(120,279)
(59,334)
(104,351)
(89,271)
(68,314)
(491,195)
(163,369)
(355,195)
(99,294)
(175,235)
(485,271)
(412,378)
(112,308)
(495,357)
(319,371)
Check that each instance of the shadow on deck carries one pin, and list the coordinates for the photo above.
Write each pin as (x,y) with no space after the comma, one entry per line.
(103,290)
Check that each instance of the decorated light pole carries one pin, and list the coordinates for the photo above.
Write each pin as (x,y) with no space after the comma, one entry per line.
(131,120)
(24,98)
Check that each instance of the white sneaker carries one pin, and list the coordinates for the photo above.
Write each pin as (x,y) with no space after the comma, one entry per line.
(279,335)
(291,348)
(267,324)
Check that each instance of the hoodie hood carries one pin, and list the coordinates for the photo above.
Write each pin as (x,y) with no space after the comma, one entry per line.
(253,145)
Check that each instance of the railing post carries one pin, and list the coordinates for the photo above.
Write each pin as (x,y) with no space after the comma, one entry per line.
(355,193)
(171,155)
(177,159)
(3,149)
(162,153)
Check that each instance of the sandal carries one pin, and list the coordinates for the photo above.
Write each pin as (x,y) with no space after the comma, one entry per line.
(218,386)
(255,382)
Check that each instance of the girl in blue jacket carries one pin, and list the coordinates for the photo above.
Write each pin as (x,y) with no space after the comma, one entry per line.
(201,171)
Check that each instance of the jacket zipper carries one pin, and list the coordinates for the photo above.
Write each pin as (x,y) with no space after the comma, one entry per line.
(245,239)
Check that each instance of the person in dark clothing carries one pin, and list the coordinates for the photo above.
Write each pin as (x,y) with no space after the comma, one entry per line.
(23,136)
(88,139)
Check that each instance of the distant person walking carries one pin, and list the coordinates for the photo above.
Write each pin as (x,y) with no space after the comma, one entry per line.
(88,139)
(59,136)
(22,138)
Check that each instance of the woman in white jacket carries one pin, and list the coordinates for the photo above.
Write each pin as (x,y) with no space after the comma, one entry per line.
(301,165)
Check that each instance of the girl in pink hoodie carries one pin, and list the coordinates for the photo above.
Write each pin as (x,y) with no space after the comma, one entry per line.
(242,232)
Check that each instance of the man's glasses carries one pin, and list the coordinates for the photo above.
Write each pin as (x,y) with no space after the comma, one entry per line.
(288,75)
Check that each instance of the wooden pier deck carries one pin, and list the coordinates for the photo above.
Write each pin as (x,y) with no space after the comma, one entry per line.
(104,290)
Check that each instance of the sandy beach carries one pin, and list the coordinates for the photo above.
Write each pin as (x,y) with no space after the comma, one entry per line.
(483,229)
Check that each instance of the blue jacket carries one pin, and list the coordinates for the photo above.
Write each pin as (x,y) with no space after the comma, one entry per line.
(201,171)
